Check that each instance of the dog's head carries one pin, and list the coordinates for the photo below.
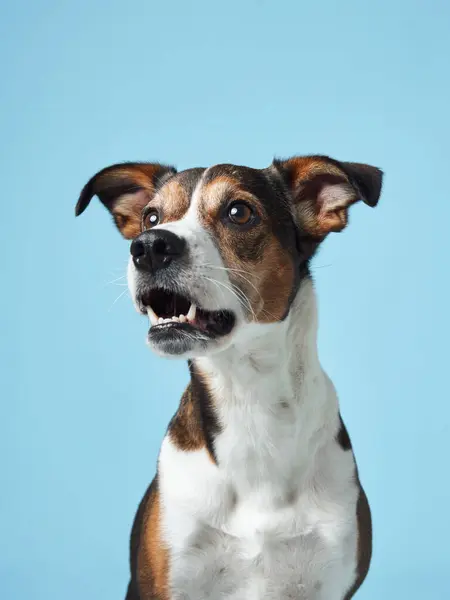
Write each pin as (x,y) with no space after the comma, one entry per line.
(217,250)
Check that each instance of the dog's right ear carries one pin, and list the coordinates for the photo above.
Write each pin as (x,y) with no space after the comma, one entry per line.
(125,189)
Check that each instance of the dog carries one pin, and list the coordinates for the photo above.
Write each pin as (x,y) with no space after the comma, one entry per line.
(257,493)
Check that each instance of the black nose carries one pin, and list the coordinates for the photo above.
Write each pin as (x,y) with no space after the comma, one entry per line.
(156,249)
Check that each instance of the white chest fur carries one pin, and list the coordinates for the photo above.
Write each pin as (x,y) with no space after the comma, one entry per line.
(275,518)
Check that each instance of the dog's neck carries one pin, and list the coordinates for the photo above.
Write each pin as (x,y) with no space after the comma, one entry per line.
(269,362)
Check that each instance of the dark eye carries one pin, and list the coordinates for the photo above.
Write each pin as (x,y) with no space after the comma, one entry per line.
(240,213)
(151,219)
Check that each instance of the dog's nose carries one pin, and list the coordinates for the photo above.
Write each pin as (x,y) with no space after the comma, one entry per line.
(154,250)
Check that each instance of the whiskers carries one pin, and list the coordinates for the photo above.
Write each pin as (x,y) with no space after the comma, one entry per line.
(117,281)
(239,294)
(238,273)
(125,291)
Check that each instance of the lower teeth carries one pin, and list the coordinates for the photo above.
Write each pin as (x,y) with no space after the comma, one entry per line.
(155,320)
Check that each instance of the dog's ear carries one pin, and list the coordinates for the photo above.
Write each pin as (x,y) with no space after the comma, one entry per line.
(323,189)
(125,189)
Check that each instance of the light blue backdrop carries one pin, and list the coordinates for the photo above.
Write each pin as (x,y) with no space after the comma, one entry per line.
(84,404)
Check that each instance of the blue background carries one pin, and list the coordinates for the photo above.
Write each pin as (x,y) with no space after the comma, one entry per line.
(84,403)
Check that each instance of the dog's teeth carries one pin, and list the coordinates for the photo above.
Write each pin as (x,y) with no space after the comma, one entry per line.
(153,317)
(192,312)
(155,320)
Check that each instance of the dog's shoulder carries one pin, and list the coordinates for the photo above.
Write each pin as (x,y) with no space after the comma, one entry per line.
(148,553)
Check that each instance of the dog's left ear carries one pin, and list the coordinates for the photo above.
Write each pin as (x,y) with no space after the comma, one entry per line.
(125,189)
(323,189)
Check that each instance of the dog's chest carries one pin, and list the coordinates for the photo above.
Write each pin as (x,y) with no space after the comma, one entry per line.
(268,522)
(274,541)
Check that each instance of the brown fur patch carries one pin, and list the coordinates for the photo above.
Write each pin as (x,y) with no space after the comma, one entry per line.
(195,424)
(215,192)
(127,213)
(219,180)
(172,200)
(364,542)
(305,168)
(363,517)
(276,275)
(153,558)
(308,176)
(124,189)
(185,429)
(127,208)
(258,265)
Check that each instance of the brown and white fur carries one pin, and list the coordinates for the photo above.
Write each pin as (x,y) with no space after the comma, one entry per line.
(257,494)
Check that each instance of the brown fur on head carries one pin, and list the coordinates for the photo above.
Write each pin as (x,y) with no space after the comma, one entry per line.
(291,207)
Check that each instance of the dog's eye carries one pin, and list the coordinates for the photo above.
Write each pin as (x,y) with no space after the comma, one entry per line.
(151,219)
(240,213)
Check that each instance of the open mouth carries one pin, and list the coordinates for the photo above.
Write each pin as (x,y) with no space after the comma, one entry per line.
(168,311)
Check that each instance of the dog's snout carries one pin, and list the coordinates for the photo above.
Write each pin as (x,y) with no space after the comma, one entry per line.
(156,249)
